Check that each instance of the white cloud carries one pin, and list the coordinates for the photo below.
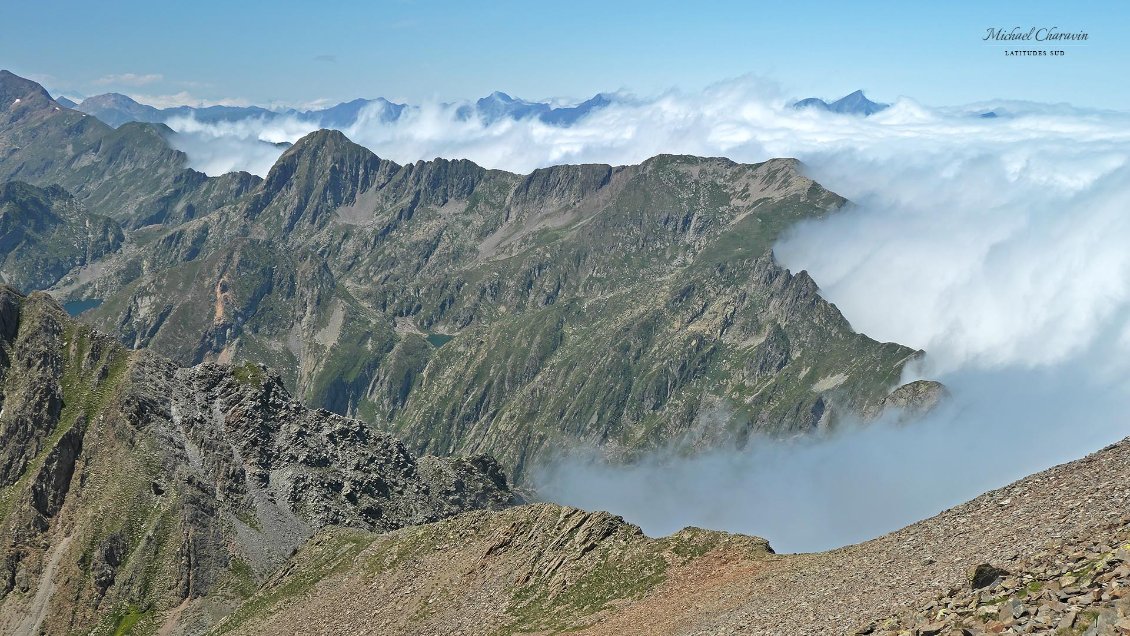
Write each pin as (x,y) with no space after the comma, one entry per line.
(128,79)
(819,493)
(313,104)
(184,98)
(247,144)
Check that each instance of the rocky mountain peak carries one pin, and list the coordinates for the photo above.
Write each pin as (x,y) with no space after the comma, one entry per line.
(320,172)
(13,87)
(320,149)
(110,100)
(855,103)
(116,109)
(498,96)
(320,140)
(19,95)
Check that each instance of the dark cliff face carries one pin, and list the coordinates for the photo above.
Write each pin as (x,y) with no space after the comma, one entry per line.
(127,482)
(45,233)
(318,174)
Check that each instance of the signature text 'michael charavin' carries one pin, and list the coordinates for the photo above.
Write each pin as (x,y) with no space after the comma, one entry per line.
(1041,34)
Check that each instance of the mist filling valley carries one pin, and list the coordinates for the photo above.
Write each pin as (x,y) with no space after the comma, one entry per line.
(996,244)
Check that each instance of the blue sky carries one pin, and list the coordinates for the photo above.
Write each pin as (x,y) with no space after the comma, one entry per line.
(294,53)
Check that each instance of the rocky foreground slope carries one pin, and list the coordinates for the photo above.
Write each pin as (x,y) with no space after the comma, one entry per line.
(1052,550)
(1080,588)
(138,495)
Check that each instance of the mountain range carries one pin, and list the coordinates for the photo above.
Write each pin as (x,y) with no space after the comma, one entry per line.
(318,401)
(466,309)
(116,109)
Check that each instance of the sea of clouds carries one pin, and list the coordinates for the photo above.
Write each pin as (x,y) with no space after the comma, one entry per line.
(998,245)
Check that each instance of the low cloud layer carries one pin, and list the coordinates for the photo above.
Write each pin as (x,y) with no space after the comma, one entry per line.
(818,493)
(995,243)
(252,145)
(185,98)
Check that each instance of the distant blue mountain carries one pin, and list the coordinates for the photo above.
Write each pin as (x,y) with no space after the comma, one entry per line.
(567,116)
(346,113)
(214,114)
(116,109)
(499,105)
(810,102)
(853,104)
(63,101)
